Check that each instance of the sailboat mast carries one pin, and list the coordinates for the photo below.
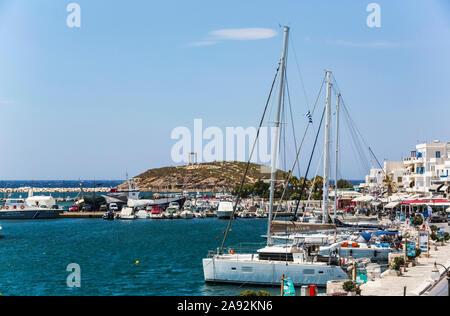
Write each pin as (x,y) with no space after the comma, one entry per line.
(337,156)
(277,135)
(326,163)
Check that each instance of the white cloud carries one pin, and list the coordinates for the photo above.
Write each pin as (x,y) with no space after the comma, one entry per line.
(246,34)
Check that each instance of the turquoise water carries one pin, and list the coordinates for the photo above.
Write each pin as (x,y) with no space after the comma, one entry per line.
(34,256)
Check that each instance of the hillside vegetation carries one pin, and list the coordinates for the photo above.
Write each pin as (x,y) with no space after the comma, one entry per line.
(215,176)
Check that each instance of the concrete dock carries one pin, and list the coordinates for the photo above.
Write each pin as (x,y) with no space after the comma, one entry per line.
(417,280)
(81,215)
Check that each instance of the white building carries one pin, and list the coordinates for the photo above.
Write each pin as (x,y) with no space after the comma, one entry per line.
(375,179)
(426,171)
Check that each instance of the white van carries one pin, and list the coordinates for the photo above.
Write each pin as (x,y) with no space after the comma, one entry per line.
(113,207)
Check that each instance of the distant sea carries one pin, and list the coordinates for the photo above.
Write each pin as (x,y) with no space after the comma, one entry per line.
(75,183)
(13,184)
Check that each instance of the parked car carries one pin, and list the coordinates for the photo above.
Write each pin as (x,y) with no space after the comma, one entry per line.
(103,208)
(87,208)
(74,208)
(113,207)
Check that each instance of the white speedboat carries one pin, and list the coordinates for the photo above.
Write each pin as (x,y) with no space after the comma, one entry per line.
(142,214)
(127,213)
(225,210)
(187,214)
(172,211)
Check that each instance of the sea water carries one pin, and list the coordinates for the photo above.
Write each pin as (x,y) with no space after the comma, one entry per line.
(140,257)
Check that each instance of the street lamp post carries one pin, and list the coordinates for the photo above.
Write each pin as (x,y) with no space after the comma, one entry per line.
(435,275)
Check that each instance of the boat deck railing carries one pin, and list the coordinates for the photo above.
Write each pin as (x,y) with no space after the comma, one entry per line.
(241,248)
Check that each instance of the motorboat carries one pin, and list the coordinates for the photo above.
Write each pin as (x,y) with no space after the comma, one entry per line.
(172,211)
(34,207)
(142,214)
(187,214)
(156,213)
(110,215)
(127,213)
(225,210)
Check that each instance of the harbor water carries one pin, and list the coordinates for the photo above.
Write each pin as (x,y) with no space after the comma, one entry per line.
(34,256)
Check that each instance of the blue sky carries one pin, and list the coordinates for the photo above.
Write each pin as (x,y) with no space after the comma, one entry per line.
(97,101)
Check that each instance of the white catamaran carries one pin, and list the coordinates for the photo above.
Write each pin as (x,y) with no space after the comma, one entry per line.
(300,262)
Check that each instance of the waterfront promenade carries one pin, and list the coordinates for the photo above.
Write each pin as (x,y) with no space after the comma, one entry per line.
(417,280)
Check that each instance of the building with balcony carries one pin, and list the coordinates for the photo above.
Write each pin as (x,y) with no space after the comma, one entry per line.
(426,172)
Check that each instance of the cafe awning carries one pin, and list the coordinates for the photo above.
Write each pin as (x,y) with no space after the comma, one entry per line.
(392,205)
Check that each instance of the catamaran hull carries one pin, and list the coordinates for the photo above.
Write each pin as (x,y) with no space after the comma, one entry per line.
(17,215)
(269,273)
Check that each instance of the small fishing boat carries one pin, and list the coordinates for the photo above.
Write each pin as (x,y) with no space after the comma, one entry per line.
(142,214)
(110,215)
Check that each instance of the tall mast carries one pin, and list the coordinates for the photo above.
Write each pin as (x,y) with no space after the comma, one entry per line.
(326,163)
(337,156)
(277,135)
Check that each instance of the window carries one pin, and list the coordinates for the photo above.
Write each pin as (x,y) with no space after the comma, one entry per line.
(308,271)
(438,154)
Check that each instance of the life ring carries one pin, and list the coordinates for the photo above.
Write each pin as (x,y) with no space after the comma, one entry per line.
(22,207)
(7,208)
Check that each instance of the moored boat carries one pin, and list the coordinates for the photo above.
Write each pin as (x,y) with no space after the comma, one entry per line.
(225,210)
(127,213)
(38,207)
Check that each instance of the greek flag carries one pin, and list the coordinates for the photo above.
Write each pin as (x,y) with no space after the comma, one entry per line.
(309,116)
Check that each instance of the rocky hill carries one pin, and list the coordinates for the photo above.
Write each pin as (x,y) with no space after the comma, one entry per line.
(210,177)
